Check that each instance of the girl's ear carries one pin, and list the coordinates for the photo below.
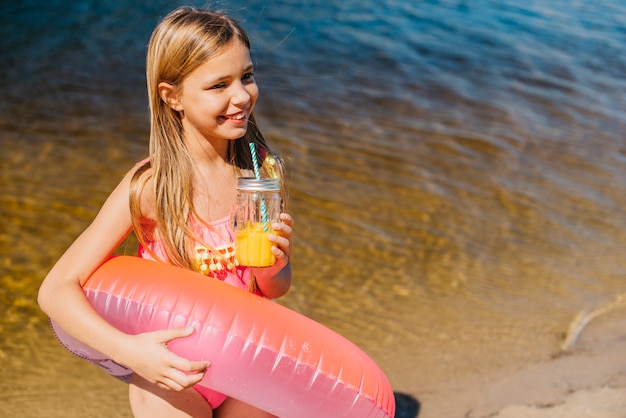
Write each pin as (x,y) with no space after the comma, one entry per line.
(169,94)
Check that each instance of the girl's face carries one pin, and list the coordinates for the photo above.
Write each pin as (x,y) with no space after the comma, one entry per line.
(216,99)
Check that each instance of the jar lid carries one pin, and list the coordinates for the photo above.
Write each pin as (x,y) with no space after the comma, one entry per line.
(258,185)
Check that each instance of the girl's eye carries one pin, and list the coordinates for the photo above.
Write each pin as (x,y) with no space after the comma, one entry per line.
(248,77)
(218,86)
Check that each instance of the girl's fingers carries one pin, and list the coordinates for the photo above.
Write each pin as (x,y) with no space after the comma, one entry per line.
(286,218)
(188,367)
(180,373)
(280,254)
(177,380)
(170,334)
(169,384)
(282,243)
(193,379)
(282,229)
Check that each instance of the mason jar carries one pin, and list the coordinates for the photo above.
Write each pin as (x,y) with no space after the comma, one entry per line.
(258,206)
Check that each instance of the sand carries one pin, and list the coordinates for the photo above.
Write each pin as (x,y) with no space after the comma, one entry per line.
(588,380)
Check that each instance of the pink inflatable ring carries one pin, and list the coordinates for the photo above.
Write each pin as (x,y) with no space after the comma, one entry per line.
(261,352)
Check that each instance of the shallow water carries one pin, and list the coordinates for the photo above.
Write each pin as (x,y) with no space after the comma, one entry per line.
(457,174)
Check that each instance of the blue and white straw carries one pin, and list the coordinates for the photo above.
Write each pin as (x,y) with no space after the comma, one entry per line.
(257,174)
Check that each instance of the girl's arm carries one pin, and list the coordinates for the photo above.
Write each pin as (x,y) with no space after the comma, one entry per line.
(275,281)
(62,298)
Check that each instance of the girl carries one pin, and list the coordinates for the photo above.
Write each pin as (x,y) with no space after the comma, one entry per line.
(202,92)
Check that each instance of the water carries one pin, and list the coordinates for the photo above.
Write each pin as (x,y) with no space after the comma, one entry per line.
(457,173)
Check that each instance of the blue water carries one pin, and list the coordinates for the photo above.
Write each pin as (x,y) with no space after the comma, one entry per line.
(457,171)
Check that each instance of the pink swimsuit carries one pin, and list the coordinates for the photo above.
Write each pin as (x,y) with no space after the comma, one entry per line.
(221,238)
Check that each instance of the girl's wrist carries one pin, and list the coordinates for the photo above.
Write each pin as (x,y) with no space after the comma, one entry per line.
(275,281)
(265,273)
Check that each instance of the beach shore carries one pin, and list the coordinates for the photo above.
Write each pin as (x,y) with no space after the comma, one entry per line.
(586,381)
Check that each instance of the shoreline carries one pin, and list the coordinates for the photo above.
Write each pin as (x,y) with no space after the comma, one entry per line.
(587,381)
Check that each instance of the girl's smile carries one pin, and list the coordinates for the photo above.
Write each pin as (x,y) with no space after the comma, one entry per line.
(239,118)
(216,99)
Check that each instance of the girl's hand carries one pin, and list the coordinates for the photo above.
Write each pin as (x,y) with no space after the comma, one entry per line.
(274,281)
(148,356)
(281,237)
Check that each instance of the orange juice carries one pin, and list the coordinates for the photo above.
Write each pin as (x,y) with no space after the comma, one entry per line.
(253,247)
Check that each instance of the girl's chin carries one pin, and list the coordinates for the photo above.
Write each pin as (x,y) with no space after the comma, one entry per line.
(231,136)
(237,132)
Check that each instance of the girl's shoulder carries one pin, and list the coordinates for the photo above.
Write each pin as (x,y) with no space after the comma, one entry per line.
(141,191)
(142,166)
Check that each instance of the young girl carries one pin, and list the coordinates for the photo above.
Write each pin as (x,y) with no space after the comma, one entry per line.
(202,92)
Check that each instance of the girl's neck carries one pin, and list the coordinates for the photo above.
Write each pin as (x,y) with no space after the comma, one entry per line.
(215,189)
(214,177)
(209,151)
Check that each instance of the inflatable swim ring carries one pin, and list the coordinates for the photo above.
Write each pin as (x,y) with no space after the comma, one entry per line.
(261,352)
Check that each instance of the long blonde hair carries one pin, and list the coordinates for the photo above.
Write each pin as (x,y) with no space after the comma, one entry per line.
(181,42)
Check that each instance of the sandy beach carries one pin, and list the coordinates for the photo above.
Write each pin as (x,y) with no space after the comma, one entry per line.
(587,381)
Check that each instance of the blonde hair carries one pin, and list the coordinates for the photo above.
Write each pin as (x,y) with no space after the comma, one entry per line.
(181,42)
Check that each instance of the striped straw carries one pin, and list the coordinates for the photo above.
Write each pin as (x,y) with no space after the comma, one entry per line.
(257,174)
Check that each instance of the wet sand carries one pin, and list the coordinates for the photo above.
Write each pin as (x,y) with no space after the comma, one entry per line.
(588,381)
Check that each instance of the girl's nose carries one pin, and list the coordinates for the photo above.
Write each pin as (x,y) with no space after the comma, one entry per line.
(240,95)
